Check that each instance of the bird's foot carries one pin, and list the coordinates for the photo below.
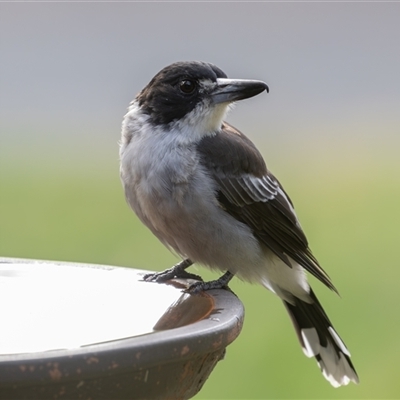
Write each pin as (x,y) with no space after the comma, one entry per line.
(220,283)
(177,271)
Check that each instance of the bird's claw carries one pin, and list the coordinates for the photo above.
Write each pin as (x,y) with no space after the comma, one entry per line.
(198,287)
(221,283)
(171,273)
(159,277)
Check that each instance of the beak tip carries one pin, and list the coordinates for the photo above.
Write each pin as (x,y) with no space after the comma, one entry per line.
(230,90)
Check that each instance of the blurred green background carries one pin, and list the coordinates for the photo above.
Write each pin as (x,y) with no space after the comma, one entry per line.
(329,129)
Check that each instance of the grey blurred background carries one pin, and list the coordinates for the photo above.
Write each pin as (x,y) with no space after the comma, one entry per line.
(329,129)
(69,70)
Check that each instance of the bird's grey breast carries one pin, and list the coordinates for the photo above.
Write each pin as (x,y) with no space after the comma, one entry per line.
(159,173)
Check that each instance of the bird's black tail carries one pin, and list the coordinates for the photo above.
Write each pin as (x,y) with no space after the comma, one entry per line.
(318,339)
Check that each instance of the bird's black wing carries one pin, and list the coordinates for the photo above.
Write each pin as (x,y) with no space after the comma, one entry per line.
(250,193)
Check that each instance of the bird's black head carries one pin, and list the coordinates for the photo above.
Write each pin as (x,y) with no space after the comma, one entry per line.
(181,87)
(176,90)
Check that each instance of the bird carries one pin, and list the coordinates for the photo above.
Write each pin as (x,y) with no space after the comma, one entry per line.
(203,189)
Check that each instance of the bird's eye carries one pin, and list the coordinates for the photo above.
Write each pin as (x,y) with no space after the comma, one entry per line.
(187,86)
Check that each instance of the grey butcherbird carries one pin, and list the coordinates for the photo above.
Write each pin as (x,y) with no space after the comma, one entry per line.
(202,187)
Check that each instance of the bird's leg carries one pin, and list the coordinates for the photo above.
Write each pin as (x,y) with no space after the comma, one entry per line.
(177,271)
(220,283)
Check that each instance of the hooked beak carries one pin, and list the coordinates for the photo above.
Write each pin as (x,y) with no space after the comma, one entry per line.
(229,90)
